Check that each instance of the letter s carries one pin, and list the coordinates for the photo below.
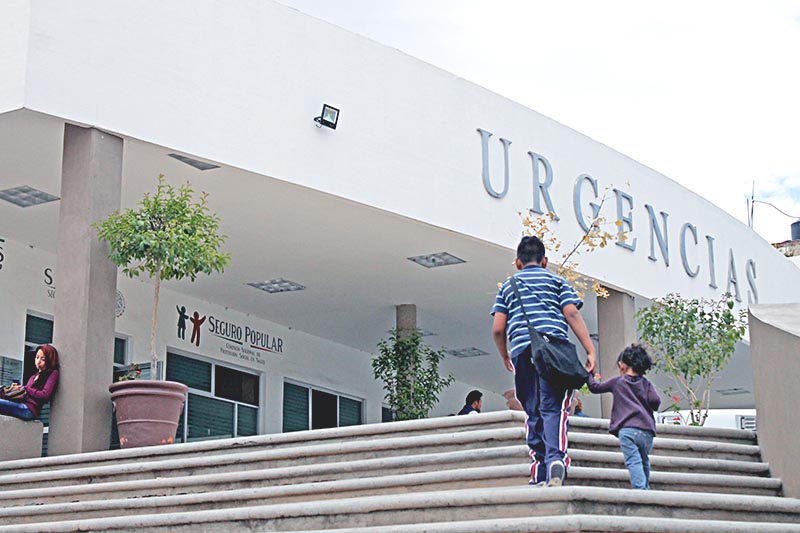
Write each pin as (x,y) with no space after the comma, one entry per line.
(752,294)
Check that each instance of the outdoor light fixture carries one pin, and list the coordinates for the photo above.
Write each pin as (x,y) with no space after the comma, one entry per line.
(25,196)
(277,285)
(436,260)
(329,117)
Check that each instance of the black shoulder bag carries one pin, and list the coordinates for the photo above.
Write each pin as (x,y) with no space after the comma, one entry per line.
(554,359)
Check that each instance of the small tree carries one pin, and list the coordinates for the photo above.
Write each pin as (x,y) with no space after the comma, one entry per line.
(409,369)
(594,237)
(692,341)
(169,237)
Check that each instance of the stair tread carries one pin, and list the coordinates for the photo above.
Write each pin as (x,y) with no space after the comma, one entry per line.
(364,465)
(571,523)
(438,499)
(277,439)
(516,474)
(241,457)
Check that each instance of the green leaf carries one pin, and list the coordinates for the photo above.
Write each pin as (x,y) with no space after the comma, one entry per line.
(691,340)
(409,370)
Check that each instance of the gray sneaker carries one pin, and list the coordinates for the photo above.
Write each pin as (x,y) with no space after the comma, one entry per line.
(557,474)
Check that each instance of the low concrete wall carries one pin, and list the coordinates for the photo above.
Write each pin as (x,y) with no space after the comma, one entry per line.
(21,440)
(775,346)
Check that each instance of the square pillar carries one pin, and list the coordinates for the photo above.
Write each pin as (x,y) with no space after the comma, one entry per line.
(83,329)
(406,319)
(616,329)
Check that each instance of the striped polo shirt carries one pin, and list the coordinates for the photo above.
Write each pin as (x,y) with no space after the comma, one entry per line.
(545,295)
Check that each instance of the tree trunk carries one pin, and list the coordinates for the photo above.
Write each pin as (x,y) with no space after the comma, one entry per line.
(153,356)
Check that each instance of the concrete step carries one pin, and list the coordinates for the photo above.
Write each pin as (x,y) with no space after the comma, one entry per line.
(453,424)
(579,523)
(669,446)
(389,511)
(296,471)
(464,442)
(667,463)
(409,428)
(243,460)
(300,472)
(731,436)
(673,481)
(260,458)
(299,484)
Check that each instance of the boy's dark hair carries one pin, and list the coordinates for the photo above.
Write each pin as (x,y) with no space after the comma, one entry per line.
(530,249)
(473,396)
(636,357)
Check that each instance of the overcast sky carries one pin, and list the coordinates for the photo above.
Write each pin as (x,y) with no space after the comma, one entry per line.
(705,92)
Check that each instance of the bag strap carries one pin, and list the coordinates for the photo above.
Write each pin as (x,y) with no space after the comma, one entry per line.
(536,337)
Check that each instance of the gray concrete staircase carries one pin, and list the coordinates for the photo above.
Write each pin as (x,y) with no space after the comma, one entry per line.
(465,473)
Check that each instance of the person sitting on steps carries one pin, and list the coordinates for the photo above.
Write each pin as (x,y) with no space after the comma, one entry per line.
(38,391)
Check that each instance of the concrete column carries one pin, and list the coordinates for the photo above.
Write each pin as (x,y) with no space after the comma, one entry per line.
(616,329)
(91,181)
(406,319)
(774,347)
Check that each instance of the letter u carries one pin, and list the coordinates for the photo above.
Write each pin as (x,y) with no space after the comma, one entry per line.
(487,182)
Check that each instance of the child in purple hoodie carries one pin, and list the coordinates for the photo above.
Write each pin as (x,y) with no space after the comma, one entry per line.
(635,399)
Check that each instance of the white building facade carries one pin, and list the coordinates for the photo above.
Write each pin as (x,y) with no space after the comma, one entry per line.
(421,163)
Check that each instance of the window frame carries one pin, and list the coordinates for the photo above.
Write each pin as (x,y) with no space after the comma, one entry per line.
(210,394)
(311,388)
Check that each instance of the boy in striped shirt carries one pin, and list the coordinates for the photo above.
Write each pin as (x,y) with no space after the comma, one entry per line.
(551,304)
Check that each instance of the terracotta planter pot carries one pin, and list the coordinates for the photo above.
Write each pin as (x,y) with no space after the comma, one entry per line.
(147,411)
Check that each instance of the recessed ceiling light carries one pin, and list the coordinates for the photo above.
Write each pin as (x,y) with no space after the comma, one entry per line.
(733,391)
(423,332)
(25,196)
(467,352)
(199,165)
(436,260)
(277,285)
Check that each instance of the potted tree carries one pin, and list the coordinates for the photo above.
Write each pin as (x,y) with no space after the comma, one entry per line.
(168,236)
(409,369)
(692,342)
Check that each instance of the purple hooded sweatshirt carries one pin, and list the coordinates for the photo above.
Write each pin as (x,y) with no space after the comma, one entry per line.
(635,399)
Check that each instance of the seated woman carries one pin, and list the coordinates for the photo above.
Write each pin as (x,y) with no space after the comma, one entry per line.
(39,389)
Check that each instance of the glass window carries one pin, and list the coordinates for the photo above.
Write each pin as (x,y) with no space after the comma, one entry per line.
(120,349)
(193,373)
(235,385)
(295,407)
(323,410)
(349,412)
(209,418)
(310,408)
(9,369)
(38,330)
(386,414)
(218,413)
(246,421)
